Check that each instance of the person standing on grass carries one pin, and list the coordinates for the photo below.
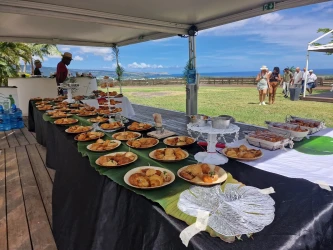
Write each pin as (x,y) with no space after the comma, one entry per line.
(274,79)
(62,71)
(311,81)
(305,72)
(286,80)
(262,85)
(297,79)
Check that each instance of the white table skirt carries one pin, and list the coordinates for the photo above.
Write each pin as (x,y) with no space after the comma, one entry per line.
(294,164)
(127,109)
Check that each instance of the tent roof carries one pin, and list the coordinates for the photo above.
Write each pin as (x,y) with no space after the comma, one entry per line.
(121,22)
(322,48)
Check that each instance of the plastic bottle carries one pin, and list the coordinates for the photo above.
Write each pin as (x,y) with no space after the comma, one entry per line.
(16,120)
(4,120)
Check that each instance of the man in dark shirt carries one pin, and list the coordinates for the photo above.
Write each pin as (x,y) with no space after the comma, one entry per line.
(62,70)
(38,65)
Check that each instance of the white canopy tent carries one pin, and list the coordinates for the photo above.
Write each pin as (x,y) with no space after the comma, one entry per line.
(122,22)
(327,48)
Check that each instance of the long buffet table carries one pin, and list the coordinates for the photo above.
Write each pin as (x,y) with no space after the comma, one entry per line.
(90,211)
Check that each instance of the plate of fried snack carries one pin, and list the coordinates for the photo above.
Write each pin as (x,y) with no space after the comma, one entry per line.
(42,102)
(59,114)
(74,111)
(36,99)
(44,107)
(168,154)
(125,136)
(89,136)
(63,109)
(242,153)
(139,126)
(98,119)
(116,110)
(60,106)
(65,121)
(142,143)
(48,99)
(111,125)
(84,113)
(178,141)
(77,129)
(76,105)
(116,159)
(103,145)
(103,111)
(148,177)
(202,174)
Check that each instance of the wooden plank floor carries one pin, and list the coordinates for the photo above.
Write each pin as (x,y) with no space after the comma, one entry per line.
(17,137)
(25,193)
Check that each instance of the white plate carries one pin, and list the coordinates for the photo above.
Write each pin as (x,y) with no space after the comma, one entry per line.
(90,128)
(74,121)
(118,144)
(222,174)
(152,153)
(116,134)
(165,141)
(97,161)
(137,170)
(157,141)
(242,159)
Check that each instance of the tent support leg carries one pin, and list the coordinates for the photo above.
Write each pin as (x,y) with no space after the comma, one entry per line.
(192,89)
(306,75)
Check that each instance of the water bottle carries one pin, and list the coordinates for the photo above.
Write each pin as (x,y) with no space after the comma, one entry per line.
(16,120)
(4,120)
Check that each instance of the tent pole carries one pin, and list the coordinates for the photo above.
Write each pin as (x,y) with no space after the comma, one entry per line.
(192,87)
(306,75)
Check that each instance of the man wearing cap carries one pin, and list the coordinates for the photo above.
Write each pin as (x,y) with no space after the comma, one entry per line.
(62,71)
(311,81)
(38,65)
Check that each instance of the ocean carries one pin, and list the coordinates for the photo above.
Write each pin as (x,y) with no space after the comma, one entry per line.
(150,75)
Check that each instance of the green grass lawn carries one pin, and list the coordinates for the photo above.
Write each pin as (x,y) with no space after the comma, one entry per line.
(239,102)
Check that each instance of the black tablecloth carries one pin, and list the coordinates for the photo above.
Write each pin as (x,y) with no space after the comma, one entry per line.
(90,211)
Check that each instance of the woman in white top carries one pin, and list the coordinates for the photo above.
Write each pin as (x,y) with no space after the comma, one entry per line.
(262,86)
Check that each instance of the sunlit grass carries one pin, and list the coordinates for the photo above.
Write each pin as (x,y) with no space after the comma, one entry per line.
(239,102)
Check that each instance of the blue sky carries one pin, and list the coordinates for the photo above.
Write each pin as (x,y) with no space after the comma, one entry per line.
(275,39)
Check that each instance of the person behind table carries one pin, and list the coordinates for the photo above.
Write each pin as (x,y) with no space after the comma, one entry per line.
(286,80)
(311,81)
(262,84)
(38,65)
(62,71)
(274,79)
(297,78)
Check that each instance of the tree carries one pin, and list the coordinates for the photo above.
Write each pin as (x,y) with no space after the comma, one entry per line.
(119,69)
(324,30)
(40,50)
(10,54)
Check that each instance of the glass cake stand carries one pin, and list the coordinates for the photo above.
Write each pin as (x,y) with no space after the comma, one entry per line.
(211,136)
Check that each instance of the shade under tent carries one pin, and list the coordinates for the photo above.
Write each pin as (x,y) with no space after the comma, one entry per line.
(327,48)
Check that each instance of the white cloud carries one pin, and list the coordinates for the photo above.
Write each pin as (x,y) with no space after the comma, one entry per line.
(54,56)
(78,58)
(108,57)
(64,48)
(293,31)
(38,58)
(136,65)
(270,18)
(95,50)
(321,6)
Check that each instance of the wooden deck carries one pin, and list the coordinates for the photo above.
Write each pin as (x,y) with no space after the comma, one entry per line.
(25,193)
(322,97)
